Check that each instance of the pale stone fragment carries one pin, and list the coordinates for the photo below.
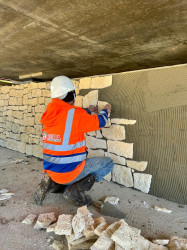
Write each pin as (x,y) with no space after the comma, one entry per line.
(153,246)
(113,200)
(78,101)
(3,191)
(78,224)
(120,148)
(161,241)
(115,132)
(108,177)
(95,153)
(44,220)
(57,245)
(142,182)
(100,228)
(90,99)
(75,243)
(162,209)
(29,219)
(117,247)
(116,159)
(122,175)
(101,105)
(85,83)
(51,228)
(140,166)
(98,134)
(105,242)
(176,243)
(95,143)
(33,85)
(98,221)
(92,133)
(100,82)
(64,225)
(123,121)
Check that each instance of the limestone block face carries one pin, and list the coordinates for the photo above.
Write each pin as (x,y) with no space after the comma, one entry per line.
(122,175)
(47,101)
(5,89)
(37,151)
(115,132)
(30,130)
(21,147)
(44,220)
(79,101)
(98,134)
(15,128)
(123,121)
(36,92)
(41,100)
(33,101)
(2,102)
(140,166)
(28,149)
(18,114)
(42,85)
(38,118)
(85,83)
(101,82)
(46,93)
(12,91)
(33,85)
(120,148)
(18,93)
(25,100)
(90,99)
(40,109)
(93,133)
(116,158)
(33,139)
(94,143)
(95,153)
(38,129)
(15,136)
(108,177)
(101,105)
(142,181)
(64,224)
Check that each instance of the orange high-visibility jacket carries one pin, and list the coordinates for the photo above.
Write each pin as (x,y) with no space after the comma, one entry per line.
(64,147)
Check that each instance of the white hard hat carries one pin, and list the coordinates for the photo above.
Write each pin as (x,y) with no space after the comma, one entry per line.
(60,86)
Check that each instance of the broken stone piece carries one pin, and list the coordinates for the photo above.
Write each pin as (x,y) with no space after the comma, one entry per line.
(123,121)
(122,175)
(64,224)
(44,220)
(162,242)
(176,243)
(98,221)
(112,200)
(115,132)
(117,247)
(120,148)
(140,166)
(160,209)
(100,228)
(2,191)
(51,228)
(108,177)
(29,219)
(90,99)
(57,245)
(5,197)
(7,194)
(78,224)
(142,182)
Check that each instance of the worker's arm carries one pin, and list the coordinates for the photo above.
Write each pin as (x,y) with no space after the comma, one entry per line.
(90,123)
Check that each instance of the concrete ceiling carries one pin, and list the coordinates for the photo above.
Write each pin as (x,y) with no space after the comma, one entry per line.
(81,38)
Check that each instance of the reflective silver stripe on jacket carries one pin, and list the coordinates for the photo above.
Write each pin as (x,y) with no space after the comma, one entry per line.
(64,160)
(68,127)
(64,148)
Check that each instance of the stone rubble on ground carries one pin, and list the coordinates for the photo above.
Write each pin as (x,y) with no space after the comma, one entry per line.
(5,195)
(164,210)
(111,199)
(82,231)
(44,220)
(2,191)
(29,219)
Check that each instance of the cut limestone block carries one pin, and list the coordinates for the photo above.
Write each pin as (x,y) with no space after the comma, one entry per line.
(108,124)
(85,83)
(142,181)
(115,132)
(117,247)
(123,121)
(92,133)
(112,200)
(100,228)
(100,82)
(95,153)
(98,221)
(78,225)
(122,175)
(116,159)
(105,242)
(64,224)
(140,166)
(92,142)
(44,220)
(51,228)
(162,209)
(120,148)
(177,243)
(90,99)
(57,245)
(101,105)
(78,101)
(162,242)
(98,134)
(108,177)
(29,219)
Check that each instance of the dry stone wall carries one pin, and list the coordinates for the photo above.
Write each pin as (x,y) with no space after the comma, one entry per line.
(22,106)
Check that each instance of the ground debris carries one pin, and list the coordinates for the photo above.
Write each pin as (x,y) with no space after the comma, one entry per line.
(29,219)
(44,220)
(160,209)
(57,245)
(176,243)
(112,200)
(162,242)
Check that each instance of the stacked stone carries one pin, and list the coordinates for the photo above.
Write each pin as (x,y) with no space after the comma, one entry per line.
(110,141)
(21,108)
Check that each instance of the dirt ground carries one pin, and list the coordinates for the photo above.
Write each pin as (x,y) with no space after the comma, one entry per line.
(22,178)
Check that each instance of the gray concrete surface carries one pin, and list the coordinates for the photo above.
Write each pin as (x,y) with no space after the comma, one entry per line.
(22,179)
(81,38)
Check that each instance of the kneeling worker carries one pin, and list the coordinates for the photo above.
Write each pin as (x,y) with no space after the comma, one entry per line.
(64,149)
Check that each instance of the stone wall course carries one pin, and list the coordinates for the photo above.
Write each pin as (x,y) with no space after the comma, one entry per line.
(114,132)
(139,166)
(120,148)
(122,175)
(95,143)
(142,181)
(116,158)
(123,121)
(85,83)
(95,153)
(90,99)
(100,82)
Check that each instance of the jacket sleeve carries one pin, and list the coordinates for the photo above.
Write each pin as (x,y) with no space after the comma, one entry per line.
(90,123)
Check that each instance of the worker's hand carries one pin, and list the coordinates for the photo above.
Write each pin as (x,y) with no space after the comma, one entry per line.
(92,108)
(108,107)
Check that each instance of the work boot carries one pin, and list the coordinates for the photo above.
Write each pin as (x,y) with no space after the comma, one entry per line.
(75,193)
(42,189)
(57,188)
